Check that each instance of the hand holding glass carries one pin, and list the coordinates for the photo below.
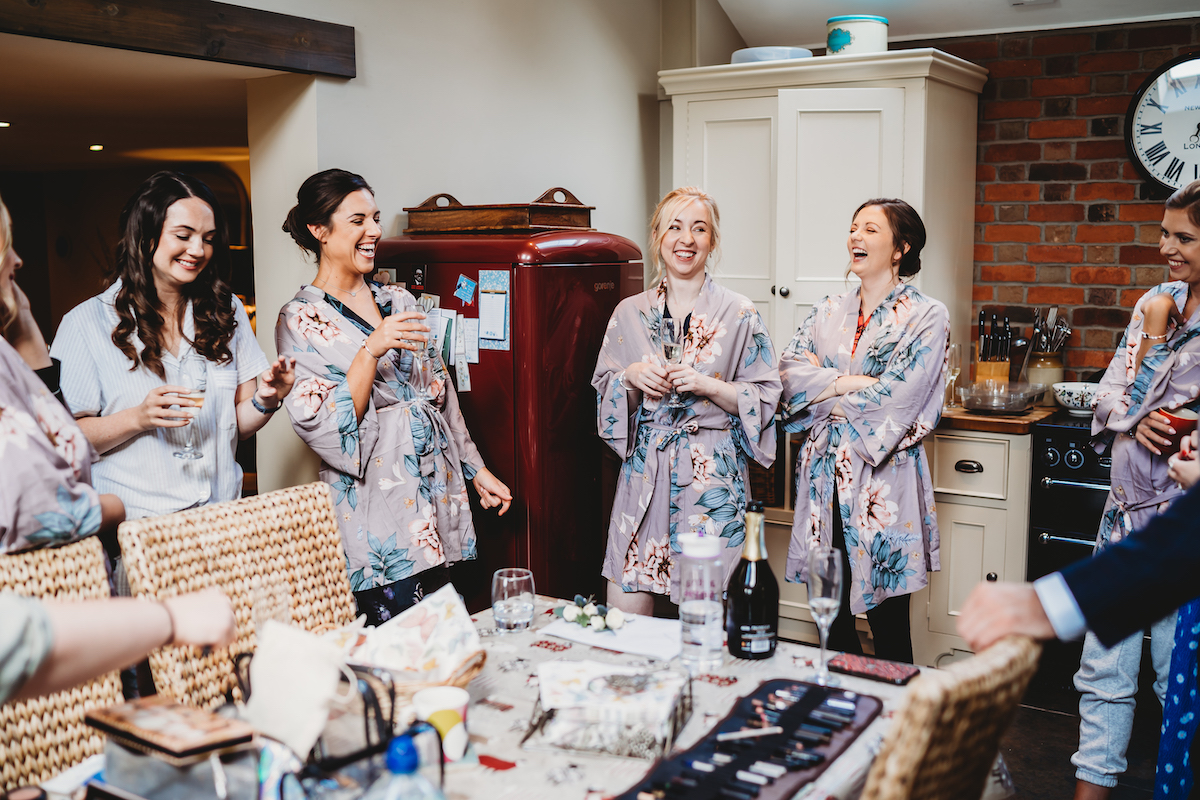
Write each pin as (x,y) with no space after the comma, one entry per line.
(512,599)
(671,334)
(824,598)
(193,373)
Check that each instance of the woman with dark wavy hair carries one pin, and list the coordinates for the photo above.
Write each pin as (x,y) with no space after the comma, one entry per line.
(167,322)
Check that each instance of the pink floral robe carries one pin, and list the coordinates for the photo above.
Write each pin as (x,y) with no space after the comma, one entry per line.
(398,476)
(684,469)
(873,460)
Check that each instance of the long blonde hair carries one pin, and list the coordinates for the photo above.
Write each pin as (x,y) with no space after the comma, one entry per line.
(668,207)
(8,303)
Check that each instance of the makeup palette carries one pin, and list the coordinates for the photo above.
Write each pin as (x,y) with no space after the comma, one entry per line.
(774,741)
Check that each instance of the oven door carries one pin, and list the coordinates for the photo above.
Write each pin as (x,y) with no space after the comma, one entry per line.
(1064,517)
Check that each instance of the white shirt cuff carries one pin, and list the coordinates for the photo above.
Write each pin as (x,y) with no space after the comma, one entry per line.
(1059,604)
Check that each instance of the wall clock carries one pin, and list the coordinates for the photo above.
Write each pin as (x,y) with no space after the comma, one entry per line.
(1162,126)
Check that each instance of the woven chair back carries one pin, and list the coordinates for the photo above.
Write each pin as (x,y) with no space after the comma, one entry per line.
(945,736)
(287,539)
(44,736)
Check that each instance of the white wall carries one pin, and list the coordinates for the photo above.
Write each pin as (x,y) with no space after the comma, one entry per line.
(492,101)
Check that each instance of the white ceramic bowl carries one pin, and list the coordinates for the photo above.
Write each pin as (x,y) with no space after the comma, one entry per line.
(749,55)
(1078,397)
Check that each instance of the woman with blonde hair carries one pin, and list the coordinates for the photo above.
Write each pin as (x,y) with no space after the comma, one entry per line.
(685,430)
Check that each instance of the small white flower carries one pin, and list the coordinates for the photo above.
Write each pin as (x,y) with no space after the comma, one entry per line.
(570,612)
(615,619)
(590,609)
(596,623)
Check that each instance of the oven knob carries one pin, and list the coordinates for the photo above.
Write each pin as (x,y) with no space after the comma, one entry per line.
(1074,459)
(1051,457)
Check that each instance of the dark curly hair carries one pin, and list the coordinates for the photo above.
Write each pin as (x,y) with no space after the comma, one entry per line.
(907,229)
(137,305)
(318,197)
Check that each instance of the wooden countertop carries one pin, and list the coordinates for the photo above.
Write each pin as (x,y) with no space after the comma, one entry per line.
(959,418)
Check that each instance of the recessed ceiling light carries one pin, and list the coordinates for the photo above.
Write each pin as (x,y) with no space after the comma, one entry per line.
(4,124)
(96,147)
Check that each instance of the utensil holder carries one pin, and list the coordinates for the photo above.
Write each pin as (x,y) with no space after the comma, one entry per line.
(1046,368)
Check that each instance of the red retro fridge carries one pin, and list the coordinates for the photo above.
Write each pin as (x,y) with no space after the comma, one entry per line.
(545,299)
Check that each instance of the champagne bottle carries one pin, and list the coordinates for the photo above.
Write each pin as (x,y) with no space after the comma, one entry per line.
(752,611)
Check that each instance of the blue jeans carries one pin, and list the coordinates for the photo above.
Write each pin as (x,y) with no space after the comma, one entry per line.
(1108,682)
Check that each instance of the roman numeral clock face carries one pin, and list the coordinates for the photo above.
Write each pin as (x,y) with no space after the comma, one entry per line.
(1162,128)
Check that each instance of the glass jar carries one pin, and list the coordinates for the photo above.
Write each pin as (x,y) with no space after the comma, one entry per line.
(1046,368)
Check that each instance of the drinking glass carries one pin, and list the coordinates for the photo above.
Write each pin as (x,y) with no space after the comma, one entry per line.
(512,599)
(671,333)
(193,373)
(953,370)
(824,598)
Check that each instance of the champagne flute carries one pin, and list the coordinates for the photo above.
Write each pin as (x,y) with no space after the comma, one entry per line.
(953,370)
(824,598)
(193,372)
(671,333)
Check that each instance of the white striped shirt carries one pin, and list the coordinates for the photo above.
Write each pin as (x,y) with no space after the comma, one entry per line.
(143,470)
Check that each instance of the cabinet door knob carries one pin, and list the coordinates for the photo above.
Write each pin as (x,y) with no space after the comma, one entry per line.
(784,291)
(772,290)
(992,577)
(968,466)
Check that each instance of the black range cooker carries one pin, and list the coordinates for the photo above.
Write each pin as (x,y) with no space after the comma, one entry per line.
(1066,501)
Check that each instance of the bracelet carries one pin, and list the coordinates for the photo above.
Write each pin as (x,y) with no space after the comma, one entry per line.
(835,386)
(260,408)
(1154,338)
(171,619)
(621,380)
(372,355)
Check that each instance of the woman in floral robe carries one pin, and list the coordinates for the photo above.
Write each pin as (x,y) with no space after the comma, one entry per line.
(863,379)
(1156,366)
(375,403)
(685,469)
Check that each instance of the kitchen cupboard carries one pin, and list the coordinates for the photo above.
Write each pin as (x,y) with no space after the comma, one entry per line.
(789,149)
(983,518)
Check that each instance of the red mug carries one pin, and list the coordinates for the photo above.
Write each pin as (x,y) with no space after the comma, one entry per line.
(1183,420)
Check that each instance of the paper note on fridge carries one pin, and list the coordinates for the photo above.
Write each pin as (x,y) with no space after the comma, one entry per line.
(471,339)
(492,316)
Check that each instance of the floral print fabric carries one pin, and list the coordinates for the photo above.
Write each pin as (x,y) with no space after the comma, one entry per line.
(45,495)
(1169,377)
(684,469)
(871,461)
(398,476)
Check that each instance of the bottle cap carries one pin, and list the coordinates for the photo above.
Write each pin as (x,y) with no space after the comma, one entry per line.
(695,545)
(402,757)
(756,506)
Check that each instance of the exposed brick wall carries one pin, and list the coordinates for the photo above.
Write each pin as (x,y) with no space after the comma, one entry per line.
(1062,217)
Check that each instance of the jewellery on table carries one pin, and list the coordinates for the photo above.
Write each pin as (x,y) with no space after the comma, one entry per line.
(372,355)
(1154,338)
(260,408)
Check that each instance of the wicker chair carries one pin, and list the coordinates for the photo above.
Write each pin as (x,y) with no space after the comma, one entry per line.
(44,736)
(285,537)
(946,733)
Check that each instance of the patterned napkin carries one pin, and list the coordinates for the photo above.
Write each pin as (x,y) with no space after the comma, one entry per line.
(428,642)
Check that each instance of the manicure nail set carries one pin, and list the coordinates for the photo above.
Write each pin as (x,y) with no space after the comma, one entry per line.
(774,741)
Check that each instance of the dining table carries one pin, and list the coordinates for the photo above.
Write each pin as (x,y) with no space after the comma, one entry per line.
(504,695)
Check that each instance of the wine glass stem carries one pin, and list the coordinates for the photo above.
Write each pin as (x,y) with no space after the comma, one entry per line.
(822,670)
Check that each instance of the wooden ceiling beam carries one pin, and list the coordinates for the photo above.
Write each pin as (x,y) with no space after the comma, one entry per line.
(201,29)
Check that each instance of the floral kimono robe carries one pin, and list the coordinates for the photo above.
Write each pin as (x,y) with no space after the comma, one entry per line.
(398,476)
(45,464)
(684,469)
(1169,377)
(872,461)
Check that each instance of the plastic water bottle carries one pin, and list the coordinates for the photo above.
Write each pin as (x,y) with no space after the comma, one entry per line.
(404,782)
(700,611)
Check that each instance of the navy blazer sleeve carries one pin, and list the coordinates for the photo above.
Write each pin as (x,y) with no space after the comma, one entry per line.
(1143,577)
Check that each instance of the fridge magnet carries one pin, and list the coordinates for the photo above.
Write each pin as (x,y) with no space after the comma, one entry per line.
(385,275)
(465,290)
(434,300)
(493,309)
(418,278)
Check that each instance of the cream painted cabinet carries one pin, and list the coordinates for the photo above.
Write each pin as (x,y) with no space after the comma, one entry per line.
(790,149)
(981,486)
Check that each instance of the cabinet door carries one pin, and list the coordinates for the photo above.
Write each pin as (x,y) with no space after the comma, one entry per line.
(973,545)
(731,155)
(837,148)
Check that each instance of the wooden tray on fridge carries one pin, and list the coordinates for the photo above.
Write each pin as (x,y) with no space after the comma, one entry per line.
(443,214)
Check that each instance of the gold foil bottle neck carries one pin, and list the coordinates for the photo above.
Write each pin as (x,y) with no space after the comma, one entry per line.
(755,547)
